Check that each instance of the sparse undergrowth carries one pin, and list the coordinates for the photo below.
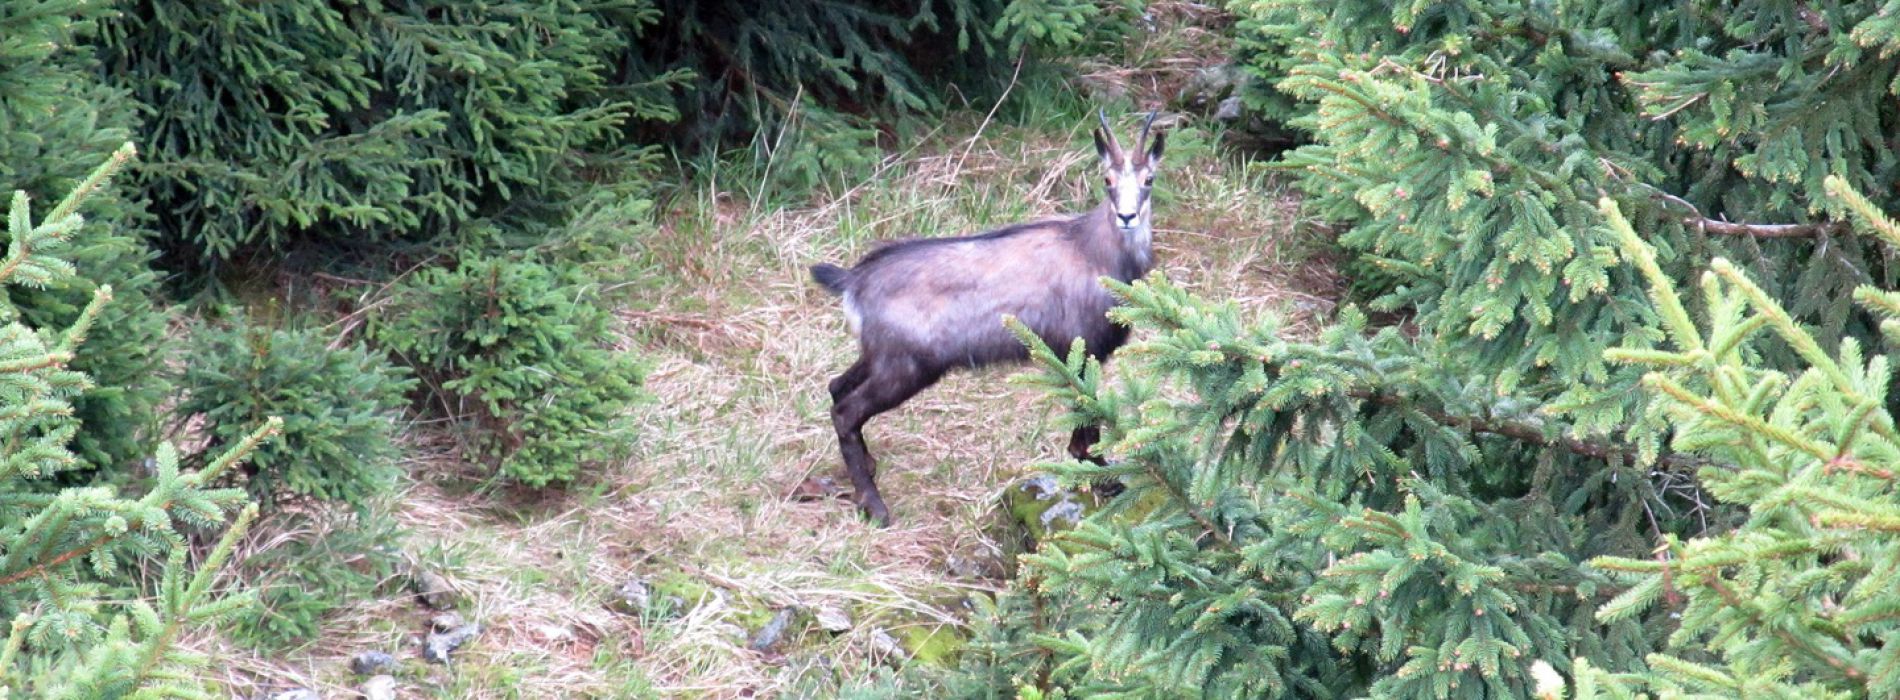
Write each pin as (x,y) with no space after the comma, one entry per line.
(740,346)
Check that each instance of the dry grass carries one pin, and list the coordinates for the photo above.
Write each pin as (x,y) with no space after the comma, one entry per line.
(744,344)
(741,344)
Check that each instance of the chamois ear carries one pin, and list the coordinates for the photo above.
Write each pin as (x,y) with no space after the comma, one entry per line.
(1102,148)
(1154,148)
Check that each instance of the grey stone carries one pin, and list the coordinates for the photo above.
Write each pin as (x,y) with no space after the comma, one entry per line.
(887,646)
(370,662)
(380,688)
(833,619)
(769,636)
(631,598)
(296,694)
(437,646)
(434,590)
(1229,110)
(443,622)
(1065,512)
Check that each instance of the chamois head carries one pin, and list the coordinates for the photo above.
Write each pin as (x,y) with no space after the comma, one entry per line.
(1129,179)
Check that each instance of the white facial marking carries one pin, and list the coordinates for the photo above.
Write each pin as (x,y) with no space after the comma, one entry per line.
(1128,190)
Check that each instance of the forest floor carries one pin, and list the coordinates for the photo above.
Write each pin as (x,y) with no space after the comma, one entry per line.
(740,345)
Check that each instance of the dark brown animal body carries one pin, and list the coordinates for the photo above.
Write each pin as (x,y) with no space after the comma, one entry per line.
(922,308)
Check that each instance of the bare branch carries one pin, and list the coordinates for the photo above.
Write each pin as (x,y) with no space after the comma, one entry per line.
(1728,228)
(1535,436)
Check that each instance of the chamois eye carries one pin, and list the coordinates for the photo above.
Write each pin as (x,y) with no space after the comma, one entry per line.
(1149,182)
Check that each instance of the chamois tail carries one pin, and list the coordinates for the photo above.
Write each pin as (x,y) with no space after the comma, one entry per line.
(830,276)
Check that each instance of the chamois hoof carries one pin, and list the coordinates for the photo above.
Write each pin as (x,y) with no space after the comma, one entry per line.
(875,512)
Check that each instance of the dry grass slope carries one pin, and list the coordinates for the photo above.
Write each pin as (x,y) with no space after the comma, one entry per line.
(741,345)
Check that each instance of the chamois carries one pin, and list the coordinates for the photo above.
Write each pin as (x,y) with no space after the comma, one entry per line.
(923,307)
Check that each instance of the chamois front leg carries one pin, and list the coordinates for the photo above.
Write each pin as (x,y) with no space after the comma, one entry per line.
(1082,447)
(1082,443)
(882,387)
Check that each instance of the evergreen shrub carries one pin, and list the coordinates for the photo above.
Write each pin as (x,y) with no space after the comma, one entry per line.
(78,630)
(328,564)
(58,121)
(1639,443)
(359,125)
(341,409)
(520,353)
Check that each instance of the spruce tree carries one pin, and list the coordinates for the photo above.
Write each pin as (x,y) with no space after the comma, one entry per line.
(1572,480)
(63,551)
(1463,147)
(1800,598)
(359,125)
(58,121)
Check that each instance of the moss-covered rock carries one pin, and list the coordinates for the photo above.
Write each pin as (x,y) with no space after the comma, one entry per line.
(937,645)
(1042,506)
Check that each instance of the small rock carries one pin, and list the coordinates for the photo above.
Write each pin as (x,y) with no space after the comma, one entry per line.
(297,694)
(1229,110)
(443,622)
(833,619)
(434,590)
(370,662)
(631,598)
(380,688)
(1209,86)
(975,564)
(437,647)
(1044,506)
(555,633)
(773,632)
(887,646)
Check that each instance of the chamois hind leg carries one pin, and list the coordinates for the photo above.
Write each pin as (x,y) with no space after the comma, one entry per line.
(849,380)
(886,384)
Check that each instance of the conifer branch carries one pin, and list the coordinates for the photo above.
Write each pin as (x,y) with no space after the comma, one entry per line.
(1695,219)
(1533,436)
(1187,504)
(1731,228)
(1850,671)
(16,637)
(232,456)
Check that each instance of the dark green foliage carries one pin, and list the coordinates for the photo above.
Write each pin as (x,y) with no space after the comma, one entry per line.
(519,352)
(1799,600)
(761,64)
(1495,127)
(61,548)
(58,122)
(818,89)
(1328,519)
(1065,26)
(340,407)
(363,123)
